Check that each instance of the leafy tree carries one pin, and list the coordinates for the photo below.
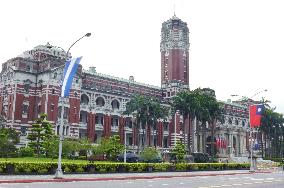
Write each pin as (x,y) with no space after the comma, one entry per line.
(26,152)
(51,147)
(8,139)
(111,147)
(273,131)
(41,132)
(179,151)
(85,147)
(70,147)
(147,111)
(149,154)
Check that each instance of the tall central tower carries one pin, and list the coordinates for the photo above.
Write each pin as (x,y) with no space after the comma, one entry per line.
(174,49)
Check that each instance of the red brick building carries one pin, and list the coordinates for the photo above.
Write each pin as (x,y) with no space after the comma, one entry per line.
(30,85)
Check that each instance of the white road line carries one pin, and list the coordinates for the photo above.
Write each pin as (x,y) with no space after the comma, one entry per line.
(278,180)
(270,178)
(150,181)
(181,183)
(129,182)
(226,185)
(233,178)
(237,184)
(268,181)
(247,183)
(150,185)
(165,184)
(258,182)
(215,186)
(203,187)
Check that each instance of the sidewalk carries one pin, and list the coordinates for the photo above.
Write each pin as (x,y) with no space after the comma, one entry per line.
(116,176)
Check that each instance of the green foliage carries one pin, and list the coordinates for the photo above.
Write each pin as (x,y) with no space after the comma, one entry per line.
(69,148)
(111,147)
(149,154)
(50,147)
(80,167)
(179,151)
(147,111)
(26,152)
(41,132)
(8,138)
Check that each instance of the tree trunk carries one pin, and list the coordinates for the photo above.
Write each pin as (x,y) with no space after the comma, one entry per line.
(212,140)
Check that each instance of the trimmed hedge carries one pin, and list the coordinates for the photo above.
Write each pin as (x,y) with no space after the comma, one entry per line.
(7,167)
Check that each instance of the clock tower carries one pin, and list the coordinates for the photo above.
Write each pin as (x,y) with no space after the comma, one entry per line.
(174,49)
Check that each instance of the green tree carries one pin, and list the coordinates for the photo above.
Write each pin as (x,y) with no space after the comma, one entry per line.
(273,131)
(51,147)
(8,139)
(147,111)
(41,132)
(85,146)
(179,151)
(149,154)
(111,147)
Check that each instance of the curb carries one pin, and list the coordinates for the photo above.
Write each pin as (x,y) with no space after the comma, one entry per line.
(119,178)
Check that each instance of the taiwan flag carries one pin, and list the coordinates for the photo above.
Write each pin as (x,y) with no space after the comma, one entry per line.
(255,113)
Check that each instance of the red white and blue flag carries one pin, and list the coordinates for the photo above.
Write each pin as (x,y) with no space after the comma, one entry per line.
(255,113)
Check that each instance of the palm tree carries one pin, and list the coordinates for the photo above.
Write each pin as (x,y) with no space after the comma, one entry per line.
(183,102)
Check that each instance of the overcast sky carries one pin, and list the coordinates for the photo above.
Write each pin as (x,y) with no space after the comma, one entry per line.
(236,46)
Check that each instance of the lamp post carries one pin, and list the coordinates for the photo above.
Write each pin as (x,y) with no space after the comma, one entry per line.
(59,173)
(124,127)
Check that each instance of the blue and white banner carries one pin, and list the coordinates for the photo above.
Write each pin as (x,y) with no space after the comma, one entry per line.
(69,72)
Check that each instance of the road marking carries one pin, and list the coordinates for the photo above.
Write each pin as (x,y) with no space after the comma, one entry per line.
(203,187)
(165,184)
(150,185)
(226,185)
(129,182)
(150,181)
(233,178)
(258,182)
(267,181)
(237,184)
(215,186)
(181,183)
(256,179)
(270,178)
(278,180)
(247,183)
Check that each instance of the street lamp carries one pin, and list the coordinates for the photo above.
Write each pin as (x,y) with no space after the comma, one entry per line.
(59,173)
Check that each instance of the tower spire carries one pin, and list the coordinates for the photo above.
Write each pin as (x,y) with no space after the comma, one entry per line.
(174,9)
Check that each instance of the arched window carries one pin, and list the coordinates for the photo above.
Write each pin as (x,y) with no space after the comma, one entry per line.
(115,104)
(100,101)
(84,99)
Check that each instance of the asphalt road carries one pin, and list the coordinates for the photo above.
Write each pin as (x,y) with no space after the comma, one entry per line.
(271,180)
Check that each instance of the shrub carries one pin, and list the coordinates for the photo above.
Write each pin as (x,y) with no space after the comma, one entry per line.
(69,167)
(26,152)
(149,154)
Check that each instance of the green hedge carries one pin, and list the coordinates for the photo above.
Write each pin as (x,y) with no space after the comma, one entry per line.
(7,167)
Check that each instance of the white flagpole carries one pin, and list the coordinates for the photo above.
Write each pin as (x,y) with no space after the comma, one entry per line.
(251,150)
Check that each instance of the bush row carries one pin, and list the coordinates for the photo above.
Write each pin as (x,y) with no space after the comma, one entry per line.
(50,167)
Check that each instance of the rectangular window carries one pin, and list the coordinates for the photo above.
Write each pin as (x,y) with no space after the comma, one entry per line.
(25,109)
